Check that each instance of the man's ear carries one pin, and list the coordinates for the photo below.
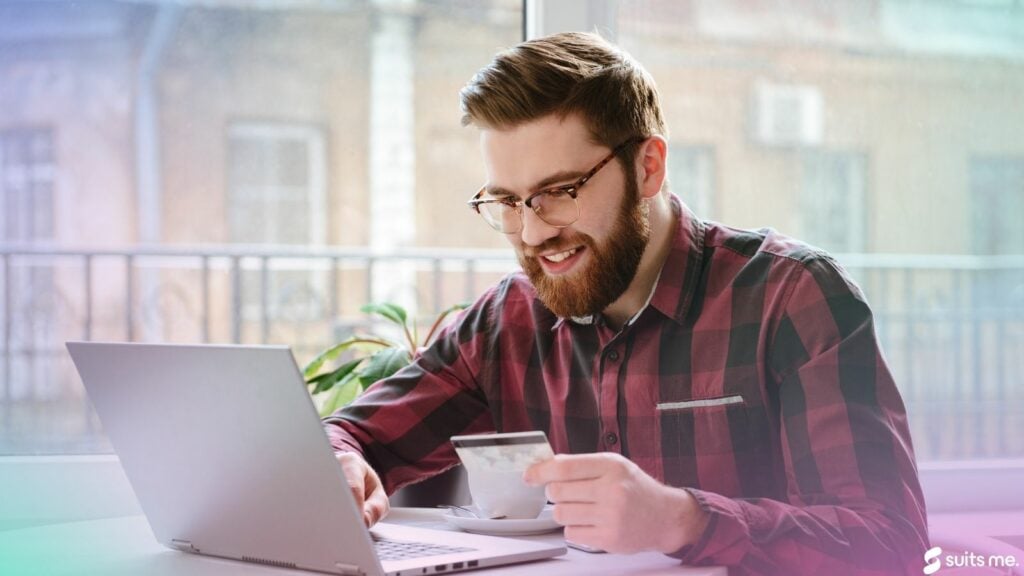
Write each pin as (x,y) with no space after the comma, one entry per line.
(651,165)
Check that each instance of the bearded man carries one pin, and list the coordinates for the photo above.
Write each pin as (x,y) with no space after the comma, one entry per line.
(714,394)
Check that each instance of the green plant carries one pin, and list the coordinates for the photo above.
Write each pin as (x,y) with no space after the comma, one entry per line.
(376,357)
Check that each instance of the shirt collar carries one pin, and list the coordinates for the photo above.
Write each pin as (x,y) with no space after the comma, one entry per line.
(677,282)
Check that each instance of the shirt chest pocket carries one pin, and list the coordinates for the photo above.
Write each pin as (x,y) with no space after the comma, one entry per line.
(703,426)
(717,443)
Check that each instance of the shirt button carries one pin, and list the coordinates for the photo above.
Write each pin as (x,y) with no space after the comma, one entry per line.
(611,439)
(613,355)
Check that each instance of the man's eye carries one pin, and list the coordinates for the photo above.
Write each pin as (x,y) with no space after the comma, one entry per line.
(509,201)
(558,192)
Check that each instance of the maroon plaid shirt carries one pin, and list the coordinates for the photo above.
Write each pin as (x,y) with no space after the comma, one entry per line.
(753,379)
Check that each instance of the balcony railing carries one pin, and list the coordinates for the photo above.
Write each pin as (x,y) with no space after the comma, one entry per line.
(952,327)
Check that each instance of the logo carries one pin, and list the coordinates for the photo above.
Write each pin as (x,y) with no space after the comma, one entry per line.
(932,561)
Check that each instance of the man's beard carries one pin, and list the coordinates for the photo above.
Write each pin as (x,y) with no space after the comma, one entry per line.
(611,267)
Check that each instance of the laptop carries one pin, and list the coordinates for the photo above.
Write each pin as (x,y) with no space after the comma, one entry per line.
(228,458)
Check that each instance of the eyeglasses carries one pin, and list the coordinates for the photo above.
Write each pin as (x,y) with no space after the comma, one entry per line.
(556,206)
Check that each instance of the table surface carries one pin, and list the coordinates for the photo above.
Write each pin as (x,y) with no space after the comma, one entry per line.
(126,546)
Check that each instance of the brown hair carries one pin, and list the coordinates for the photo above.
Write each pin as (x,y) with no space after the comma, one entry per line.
(564,74)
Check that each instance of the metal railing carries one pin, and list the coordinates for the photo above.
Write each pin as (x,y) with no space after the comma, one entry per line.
(952,327)
(153,269)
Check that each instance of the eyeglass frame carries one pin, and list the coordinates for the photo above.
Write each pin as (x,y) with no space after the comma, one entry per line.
(572,190)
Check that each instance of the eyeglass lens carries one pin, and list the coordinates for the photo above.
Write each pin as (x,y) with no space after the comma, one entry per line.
(556,208)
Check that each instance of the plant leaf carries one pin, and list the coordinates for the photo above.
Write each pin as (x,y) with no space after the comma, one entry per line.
(357,343)
(341,395)
(392,312)
(397,315)
(384,364)
(327,380)
(327,355)
(352,376)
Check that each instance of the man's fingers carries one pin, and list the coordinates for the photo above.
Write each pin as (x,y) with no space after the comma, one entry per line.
(575,514)
(366,487)
(575,491)
(566,467)
(377,504)
(376,507)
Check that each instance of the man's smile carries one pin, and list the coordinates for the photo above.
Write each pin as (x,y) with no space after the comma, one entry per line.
(560,256)
(562,261)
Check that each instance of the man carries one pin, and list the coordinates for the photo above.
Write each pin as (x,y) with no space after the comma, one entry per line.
(714,394)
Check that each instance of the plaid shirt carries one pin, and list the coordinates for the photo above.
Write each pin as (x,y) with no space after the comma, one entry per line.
(753,378)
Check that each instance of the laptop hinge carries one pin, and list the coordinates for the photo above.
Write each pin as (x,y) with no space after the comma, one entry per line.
(349,569)
(184,545)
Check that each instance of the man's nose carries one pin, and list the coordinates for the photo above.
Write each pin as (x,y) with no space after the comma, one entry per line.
(536,231)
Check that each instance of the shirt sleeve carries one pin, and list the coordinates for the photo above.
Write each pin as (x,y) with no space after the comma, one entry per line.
(854,504)
(402,424)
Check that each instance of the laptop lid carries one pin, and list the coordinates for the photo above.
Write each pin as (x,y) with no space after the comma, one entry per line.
(227,457)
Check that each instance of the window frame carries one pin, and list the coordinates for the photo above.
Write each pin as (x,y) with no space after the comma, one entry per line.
(316,142)
(856,169)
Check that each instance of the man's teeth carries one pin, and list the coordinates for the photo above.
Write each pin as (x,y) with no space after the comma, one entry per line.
(560,256)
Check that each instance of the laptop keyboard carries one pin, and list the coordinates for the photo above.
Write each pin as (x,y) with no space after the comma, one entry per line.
(403,550)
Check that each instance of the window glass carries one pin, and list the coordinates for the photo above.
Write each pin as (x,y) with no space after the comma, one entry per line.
(691,172)
(890,133)
(26,182)
(227,171)
(831,205)
(276,185)
(997,203)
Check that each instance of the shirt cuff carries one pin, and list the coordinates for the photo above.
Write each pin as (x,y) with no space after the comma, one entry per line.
(726,538)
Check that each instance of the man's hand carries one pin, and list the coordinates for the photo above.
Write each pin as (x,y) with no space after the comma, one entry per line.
(608,502)
(366,487)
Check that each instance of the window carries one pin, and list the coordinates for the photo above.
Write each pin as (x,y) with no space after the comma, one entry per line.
(30,307)
(277,195)
(691,176)
(277,185)
(996,206)
(997,203)
(832,201)
(26,184)
(221,121)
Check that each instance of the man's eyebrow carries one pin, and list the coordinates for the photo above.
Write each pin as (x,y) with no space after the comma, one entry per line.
(555,178)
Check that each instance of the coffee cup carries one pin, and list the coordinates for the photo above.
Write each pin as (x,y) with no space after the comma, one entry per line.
(495,464)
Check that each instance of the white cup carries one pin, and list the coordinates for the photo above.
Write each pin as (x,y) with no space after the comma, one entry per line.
(502,493)
(495,464)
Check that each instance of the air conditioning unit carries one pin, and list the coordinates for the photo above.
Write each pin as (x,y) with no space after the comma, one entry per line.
(787,115)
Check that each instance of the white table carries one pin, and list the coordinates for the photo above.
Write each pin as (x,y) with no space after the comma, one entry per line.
(126,547)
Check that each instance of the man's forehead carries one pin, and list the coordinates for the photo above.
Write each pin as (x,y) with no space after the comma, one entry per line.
(522,156)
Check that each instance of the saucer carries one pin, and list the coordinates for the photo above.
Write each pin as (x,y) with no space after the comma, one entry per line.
(506,527)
